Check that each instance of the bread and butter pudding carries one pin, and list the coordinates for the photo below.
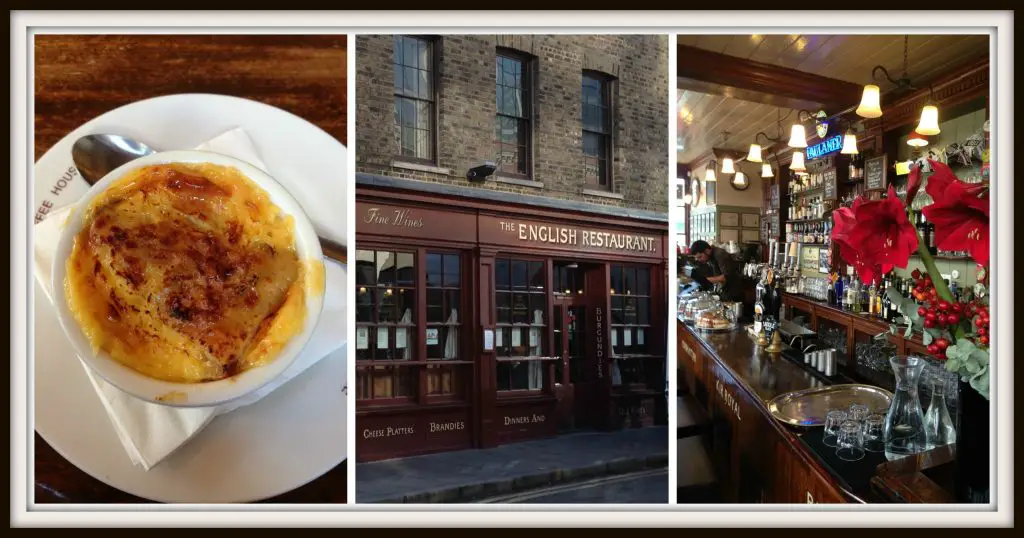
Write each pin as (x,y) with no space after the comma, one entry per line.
(187,273)
(712,319)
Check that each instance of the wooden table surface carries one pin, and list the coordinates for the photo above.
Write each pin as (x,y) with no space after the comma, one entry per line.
(80,77)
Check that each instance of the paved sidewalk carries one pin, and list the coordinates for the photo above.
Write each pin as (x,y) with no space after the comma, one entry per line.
(467,475)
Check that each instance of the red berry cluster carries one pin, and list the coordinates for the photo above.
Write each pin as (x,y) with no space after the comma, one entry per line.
(939,313)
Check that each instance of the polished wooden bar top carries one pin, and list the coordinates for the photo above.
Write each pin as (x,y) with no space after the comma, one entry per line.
(765,375)
(79,77)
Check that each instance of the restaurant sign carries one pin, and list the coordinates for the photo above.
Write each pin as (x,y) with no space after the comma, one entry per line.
(825,147)
(568,237)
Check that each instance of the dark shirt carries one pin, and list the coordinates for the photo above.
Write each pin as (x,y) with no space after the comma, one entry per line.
(722,263)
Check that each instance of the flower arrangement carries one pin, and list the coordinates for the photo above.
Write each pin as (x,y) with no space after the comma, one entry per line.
(875,236)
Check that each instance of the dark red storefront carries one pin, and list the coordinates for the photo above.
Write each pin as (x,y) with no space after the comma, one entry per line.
(481,323)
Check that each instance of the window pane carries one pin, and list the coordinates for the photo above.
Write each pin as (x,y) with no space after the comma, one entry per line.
(366,272)
(364,304)
(643,281)
(504,307)
(643,309)
(519,275)
(538,308)
(501,274)
(520,376)
(452,271)
(398,44)
(408,337)
(406,269)
(629,280)
(520,308)
(447,344)
(617,306)
(630,311)
(537,276)
(434,270)
(617,279)
(385,268)
(435,306)
(411,51)
(451,312)
(594,118)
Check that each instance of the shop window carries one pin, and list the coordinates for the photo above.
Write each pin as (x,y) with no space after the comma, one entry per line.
(444,301)
(568,279)
(597,130)
(520,335)
(413,61)
(385,322)
(630,326)
(513,126)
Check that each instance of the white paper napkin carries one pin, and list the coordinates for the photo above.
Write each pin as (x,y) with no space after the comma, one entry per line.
(151,432)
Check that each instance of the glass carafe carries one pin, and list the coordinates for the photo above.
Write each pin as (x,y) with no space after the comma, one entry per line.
(938,426)
(904,425)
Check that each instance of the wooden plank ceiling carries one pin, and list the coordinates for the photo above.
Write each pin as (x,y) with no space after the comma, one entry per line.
(704,115)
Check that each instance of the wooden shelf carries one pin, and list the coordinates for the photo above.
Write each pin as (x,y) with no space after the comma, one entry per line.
(944,257)
(808,220)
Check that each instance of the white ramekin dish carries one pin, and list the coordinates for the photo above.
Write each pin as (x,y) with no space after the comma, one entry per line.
(190,394)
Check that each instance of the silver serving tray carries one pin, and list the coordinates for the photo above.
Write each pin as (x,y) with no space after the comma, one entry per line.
(807,408)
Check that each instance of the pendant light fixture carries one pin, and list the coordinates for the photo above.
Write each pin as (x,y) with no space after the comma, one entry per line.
(709,174)
(740,179)
(870,106)
(797,136)
(870,102)
(929,124)
(916,140)
(849,144)
(797,164)
(766,170)
(727,166)
(754,155)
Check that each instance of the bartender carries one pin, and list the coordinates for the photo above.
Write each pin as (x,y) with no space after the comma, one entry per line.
(725,271)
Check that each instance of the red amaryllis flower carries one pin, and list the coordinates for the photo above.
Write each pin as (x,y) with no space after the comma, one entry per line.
(913,184)
(960,213)
(845,221)
(875,236)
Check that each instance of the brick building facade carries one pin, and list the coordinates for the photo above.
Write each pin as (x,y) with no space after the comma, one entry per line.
(531,301)
(465,95)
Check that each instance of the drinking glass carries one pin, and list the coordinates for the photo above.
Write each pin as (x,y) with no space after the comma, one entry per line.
(833,420)
(874,433)
(859,412)
(851,441)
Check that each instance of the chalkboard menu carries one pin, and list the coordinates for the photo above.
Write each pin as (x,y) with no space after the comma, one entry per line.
(875,172)
(829,184)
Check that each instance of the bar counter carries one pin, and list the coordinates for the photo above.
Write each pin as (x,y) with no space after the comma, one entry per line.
(756,458)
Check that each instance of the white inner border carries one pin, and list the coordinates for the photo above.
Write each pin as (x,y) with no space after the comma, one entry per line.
(24,23)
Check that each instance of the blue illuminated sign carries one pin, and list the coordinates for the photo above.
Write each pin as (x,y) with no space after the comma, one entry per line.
(829,145)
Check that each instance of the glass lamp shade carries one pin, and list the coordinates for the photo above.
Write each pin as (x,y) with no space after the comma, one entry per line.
(740,179)
(929,124)
(709,175)
(916,140)
(727,167)
(849,144)
(797,137)
(766,170)
(797,164)
(870,102)
(754,155)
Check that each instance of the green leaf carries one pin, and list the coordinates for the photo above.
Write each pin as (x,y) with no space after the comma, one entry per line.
(927,337)
(981,356)
(952,363)
(936,333)
(980,382)
(910,330)
(894,295)
(971,366)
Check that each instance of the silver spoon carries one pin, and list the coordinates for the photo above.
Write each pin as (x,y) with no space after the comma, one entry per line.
(97,155)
